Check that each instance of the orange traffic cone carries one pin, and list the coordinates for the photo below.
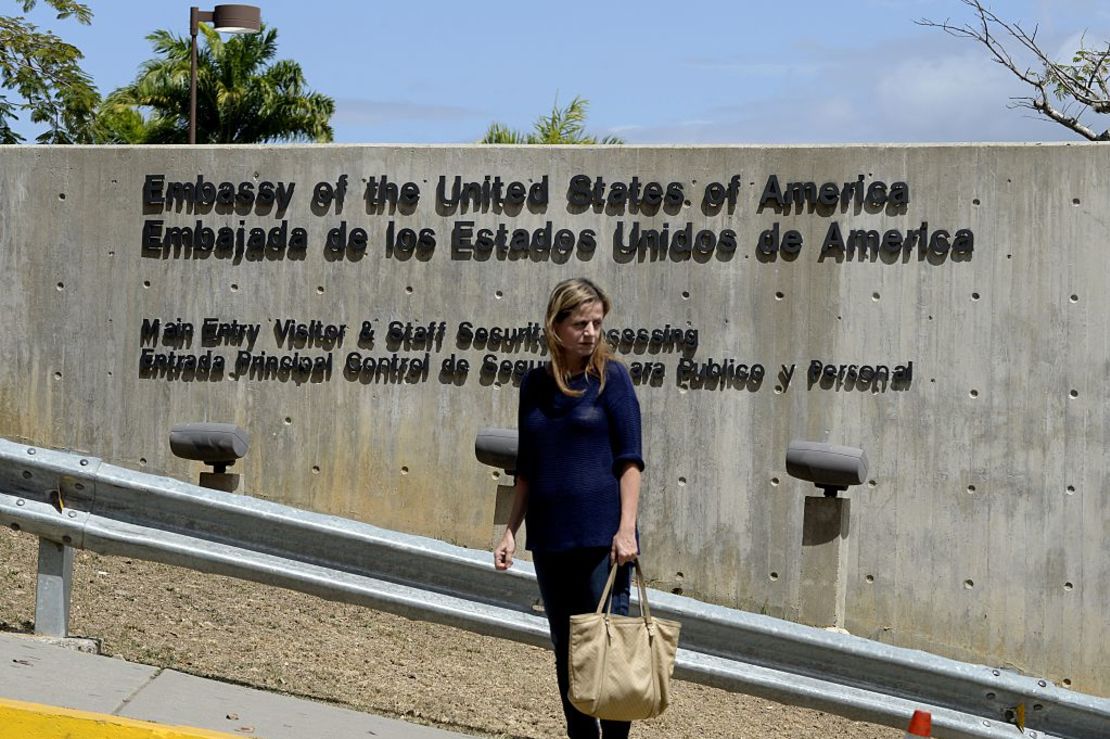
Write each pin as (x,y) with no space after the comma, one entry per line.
(920,725)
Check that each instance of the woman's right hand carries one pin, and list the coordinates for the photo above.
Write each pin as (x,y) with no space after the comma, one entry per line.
(503,555)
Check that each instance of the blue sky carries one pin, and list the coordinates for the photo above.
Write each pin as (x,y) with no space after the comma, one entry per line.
(691,72)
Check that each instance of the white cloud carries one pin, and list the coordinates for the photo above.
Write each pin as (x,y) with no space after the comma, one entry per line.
(958,97)
(946,87)
(930,88)
(1085,39)
(1070,45)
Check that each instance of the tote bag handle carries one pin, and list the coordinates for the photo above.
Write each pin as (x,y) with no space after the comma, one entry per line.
(606,601)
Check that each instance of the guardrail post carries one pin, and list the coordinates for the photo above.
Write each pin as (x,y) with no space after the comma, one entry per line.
(55,579)
(225,481)
(824,560)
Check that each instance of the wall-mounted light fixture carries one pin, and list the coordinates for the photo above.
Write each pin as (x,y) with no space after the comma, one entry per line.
(224,19)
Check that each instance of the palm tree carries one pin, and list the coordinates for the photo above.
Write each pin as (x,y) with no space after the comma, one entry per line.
(243,96)
(563,126)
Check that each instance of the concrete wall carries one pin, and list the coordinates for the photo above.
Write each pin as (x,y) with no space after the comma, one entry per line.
(980,535)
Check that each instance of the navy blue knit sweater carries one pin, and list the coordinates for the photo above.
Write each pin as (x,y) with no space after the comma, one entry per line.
(571,451)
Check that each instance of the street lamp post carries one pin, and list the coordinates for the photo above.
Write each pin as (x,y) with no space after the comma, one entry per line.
(224,19)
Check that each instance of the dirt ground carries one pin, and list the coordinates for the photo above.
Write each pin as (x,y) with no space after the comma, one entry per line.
(370,661)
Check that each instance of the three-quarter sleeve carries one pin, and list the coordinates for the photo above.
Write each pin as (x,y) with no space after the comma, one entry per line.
(619,399)
(526,444)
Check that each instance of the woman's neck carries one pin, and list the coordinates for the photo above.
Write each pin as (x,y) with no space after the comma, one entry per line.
(575,365)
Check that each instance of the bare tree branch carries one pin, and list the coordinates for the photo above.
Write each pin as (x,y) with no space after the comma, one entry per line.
(1078,87)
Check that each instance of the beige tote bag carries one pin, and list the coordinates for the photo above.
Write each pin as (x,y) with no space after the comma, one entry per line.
(620,666)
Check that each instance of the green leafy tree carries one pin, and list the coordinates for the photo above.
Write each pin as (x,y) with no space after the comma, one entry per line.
(1062,92)
(243,95)
(45,75)
(562,126)
(119,124)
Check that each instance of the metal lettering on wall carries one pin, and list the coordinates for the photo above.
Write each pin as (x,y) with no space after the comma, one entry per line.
(413,351)
(406,352)
(471,239)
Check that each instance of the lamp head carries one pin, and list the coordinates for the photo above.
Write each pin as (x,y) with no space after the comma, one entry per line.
(237,19)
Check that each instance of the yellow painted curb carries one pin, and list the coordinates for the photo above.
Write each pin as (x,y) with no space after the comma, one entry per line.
(19,720)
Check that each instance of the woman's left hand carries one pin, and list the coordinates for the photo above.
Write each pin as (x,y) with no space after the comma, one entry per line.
(624,548)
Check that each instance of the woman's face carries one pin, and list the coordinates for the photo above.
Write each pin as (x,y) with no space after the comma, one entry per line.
(579,333)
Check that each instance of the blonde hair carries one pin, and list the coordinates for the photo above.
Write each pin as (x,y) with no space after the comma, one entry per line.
(567,297)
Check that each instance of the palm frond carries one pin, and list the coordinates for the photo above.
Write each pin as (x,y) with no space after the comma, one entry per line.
(566,125)
(244,95)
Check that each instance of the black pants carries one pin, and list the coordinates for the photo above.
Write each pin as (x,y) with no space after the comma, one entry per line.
(571,582)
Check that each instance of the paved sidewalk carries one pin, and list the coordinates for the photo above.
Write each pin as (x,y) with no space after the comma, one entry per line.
(37,672)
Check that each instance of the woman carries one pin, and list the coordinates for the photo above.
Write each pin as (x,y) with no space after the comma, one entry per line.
(578,476)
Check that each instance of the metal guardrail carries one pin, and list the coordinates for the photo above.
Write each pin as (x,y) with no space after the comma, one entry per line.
(85,503)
